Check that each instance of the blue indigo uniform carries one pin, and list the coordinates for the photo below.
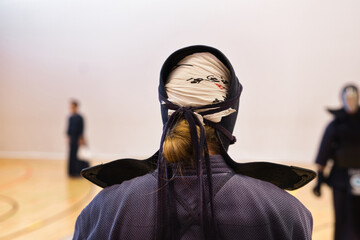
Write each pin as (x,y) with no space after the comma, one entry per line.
(341,143)
(75,132)
(217,198)
(245,208)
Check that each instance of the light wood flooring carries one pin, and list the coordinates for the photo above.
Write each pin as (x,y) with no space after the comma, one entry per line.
(39,201)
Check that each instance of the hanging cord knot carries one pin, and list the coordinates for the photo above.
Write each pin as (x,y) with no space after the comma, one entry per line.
(167,213)
(167,221)
(185,109)
(209,109)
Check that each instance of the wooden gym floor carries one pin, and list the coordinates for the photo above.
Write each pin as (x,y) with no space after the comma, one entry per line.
(39,201)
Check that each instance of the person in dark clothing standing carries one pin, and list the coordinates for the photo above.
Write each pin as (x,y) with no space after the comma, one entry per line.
(341,143)
(75,135)
(191,188)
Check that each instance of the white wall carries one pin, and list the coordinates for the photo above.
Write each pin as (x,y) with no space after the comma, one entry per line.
(291,56)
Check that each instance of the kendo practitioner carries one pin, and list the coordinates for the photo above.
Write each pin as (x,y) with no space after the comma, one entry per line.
(341,143)
(191,188)
(75,134)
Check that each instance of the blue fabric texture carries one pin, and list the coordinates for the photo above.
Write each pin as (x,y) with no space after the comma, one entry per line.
(245,208)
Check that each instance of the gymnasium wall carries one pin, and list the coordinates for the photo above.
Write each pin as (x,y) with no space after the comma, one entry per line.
(291,56)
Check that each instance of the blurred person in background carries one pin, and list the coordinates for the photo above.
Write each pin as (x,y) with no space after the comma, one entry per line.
(341,144)
(75,135)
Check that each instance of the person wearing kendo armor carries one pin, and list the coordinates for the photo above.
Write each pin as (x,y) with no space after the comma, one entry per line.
(191,188)
(341,143)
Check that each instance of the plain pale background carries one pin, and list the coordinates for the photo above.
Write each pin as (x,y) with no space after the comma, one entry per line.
(291,56)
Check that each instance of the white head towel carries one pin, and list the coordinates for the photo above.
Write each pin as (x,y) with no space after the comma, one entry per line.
(199,79)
